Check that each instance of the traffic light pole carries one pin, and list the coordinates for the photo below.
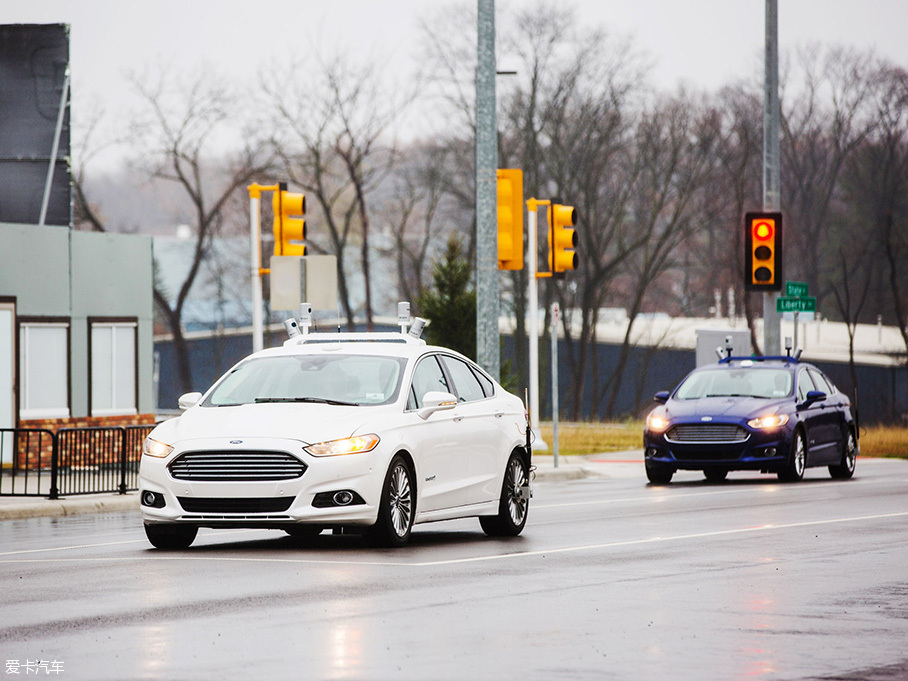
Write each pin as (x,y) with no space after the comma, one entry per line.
(771,155)
(533,322)
(255,253)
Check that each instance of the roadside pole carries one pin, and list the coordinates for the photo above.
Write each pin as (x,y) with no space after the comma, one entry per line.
(255,254)
(533,321)
(556,314)
(487,292)
(771,154)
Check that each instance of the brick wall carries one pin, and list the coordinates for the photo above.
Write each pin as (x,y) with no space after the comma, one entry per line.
(34,450)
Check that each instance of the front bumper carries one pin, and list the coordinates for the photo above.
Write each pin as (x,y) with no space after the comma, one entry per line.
(264,503)
(762,451)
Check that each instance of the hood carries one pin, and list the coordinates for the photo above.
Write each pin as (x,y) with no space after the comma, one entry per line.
(307,423)
(723,408)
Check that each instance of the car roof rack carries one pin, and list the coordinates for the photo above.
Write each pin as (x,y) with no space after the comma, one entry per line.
(788,359)
(354,337)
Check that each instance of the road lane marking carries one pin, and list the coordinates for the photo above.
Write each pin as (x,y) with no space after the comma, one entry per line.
(683,494)
(474,559)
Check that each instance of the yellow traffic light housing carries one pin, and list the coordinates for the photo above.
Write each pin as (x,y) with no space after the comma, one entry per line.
(289,222)
(562,239)
(510,219)
(763,251)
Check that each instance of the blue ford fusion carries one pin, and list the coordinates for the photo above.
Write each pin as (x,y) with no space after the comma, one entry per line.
(769,414)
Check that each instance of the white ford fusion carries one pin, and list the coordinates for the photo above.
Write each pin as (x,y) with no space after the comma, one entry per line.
(365,432)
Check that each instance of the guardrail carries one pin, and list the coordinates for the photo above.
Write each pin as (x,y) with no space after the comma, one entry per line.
(38,462)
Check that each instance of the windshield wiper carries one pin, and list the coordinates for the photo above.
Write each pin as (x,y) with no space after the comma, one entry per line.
(316,400)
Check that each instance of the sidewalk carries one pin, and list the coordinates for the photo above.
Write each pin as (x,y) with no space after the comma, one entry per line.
(569,468)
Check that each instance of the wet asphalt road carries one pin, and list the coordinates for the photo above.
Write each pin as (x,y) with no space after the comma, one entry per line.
(612,579)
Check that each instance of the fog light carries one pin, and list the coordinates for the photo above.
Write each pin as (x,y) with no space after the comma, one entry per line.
(343,498)
(153,499)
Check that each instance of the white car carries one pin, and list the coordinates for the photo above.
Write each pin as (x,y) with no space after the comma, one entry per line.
(364,432)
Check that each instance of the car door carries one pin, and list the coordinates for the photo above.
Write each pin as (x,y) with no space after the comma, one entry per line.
(435,442)
(480,432)
(816,419)
(833,417)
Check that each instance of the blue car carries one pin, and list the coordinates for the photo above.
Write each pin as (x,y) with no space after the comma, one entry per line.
(769,414)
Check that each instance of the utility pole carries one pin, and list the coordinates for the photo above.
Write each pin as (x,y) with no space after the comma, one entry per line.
(487,303)
(771,163)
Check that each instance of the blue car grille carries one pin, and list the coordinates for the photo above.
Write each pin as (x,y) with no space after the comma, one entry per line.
(707,433)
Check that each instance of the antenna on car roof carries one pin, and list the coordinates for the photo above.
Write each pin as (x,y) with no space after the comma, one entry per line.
(788,345)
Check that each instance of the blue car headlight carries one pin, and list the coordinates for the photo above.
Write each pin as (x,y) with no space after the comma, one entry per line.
(768,422)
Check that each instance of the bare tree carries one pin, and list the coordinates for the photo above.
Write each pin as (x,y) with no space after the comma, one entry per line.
(175,137)
(334,137)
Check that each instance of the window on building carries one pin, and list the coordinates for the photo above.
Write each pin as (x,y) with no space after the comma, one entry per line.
(43,369)
(113,367)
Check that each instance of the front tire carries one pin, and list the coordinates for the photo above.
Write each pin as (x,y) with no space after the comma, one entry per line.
(171,537)
(715,474)
(797,461)
(849,456)
(396,508)
(513,507)
(659,475)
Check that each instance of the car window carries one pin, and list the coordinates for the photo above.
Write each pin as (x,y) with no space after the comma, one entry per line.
(821,382)
(354,379)
(427,377)
(805,384)
(488,388)
(724,382)
(466,384)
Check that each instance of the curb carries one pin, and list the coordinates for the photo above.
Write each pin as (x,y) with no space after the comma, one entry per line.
(46,508)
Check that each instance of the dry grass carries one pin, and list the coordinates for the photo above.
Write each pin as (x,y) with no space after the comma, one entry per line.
(591,438)
(888,442)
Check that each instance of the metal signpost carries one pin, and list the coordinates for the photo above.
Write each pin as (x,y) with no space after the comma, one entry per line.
(796,301)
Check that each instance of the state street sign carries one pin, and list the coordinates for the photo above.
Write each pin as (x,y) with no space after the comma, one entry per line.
(806,304)
(795,289)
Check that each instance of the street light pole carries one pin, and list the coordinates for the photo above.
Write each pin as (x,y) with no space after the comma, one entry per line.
(487,304)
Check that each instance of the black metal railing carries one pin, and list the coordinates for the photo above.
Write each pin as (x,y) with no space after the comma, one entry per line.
(39,462)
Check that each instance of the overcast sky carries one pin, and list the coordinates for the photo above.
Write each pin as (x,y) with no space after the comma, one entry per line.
(702,43)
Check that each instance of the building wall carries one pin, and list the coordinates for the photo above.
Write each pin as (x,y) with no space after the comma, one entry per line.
(56,272)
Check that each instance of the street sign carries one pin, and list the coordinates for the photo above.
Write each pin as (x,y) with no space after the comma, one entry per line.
(795,289)
(805,304)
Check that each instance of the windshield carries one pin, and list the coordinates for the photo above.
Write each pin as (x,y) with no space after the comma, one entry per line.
(337,379)
(763,383)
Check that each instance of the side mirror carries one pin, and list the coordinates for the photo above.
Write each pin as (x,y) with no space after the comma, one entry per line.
(661,396)
(189,400)
(434,401)
(815,396)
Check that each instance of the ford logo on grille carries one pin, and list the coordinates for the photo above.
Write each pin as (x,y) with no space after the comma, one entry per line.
(706,418)
(236,442)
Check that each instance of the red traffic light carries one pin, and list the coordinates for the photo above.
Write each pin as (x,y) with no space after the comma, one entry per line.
(764,229)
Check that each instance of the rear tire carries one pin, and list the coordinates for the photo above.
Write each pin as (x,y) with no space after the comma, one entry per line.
(397,507)
(512,509)
(849,456)
(171,537)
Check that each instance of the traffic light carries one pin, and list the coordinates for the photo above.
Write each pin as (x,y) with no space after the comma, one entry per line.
(289,222)
(763,251)
(510,219)
(562,238)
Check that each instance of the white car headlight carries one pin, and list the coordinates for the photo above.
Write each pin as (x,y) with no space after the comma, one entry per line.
(348,445)
(155,448)
(768,422)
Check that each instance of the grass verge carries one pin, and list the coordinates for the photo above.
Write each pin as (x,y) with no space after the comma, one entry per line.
(577,439)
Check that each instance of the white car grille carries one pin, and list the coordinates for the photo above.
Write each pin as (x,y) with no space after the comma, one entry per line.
(236,466)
